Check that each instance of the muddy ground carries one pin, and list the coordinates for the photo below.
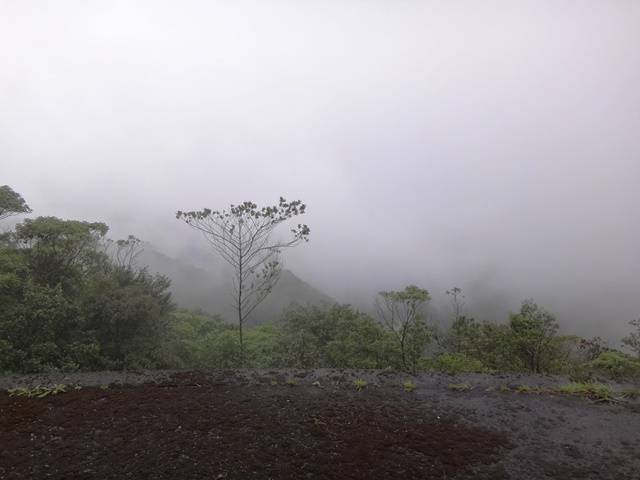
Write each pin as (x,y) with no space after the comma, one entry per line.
(296,425)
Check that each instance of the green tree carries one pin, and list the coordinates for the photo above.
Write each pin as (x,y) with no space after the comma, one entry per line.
(633,339)
(463,335)
(534,330)
(305,333)
(335,336)
(242,236)
(11,203)
(490,343)
(401,312)
(127,311)
(262,346)
(65,305)
(361,342)
(198,340)
(61,251)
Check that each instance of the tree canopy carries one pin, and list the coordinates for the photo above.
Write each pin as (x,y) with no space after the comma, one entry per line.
(11,203)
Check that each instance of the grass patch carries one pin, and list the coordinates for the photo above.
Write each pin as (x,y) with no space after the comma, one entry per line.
(630,393)
(409,386)
(529,389)
(595,391)
(39,391)
(459,387)
(359,383)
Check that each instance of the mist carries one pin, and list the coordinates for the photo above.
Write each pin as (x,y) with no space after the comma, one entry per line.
(487,146)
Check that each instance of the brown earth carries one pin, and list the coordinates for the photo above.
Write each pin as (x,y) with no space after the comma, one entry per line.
(217,427)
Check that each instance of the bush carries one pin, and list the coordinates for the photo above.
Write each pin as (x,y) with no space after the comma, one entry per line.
(533,331)
(338,336)
(595,391)
(617,364)
(453,363)
(261,346)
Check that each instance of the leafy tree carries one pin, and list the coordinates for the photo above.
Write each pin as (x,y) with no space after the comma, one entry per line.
(490,343)
(360,342)
(187,340)
(61,251)
(127,310)
(38,326)
(11,203)
(338,336)
(263,346)
(242,236)
(533,330)
(65,305)
(401,313)
(633,339)
(463,335)
(305,333)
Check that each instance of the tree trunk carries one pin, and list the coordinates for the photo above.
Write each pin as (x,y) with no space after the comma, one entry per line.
(240,316)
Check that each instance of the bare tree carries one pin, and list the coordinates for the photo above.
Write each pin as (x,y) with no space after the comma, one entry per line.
(242,236)
(457,302)
(633,339)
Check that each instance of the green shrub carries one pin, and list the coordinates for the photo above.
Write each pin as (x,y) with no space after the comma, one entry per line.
(261,346)
(333,336)
(453,363)
(617,364)
(459,387)
(533,331)
(409,386)
(39,391)
(595,391)
(631,393)
(359,383)
(529,389)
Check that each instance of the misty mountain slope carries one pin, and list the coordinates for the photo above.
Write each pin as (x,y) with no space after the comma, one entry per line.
(199,288)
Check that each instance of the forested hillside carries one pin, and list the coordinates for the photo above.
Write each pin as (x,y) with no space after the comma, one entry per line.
(203,288)
(73,299)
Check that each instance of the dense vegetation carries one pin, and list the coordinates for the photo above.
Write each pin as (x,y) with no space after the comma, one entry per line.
(70,299)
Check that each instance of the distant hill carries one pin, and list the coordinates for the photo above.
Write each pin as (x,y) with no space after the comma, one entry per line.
(200,288)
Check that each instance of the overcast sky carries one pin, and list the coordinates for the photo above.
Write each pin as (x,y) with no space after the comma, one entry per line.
(490,145)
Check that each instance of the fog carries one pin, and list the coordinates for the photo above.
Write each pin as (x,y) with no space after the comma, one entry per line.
(490,145)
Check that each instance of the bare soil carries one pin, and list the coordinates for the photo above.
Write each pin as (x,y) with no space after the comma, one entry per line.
(248,424)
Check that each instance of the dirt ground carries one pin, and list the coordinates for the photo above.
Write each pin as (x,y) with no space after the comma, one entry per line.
(284,425)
